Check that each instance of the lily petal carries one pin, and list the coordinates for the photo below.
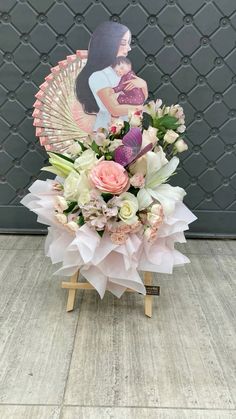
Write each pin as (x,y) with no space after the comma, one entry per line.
(161,176)
(54,170)
(144,199)
(167,195)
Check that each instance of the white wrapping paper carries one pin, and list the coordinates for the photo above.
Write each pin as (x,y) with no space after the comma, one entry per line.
(108,266)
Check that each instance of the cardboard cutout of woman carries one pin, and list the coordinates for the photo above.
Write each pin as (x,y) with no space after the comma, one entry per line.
(95,83)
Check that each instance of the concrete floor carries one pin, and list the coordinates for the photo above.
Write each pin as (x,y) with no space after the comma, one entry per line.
(106,359)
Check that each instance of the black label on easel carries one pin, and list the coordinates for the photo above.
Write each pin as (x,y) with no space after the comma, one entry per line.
(152,290)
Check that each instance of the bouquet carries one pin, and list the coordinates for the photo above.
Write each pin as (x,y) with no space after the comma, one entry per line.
(115,181)
(110,209)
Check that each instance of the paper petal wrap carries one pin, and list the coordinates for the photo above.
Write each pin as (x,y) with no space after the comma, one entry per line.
(108,266)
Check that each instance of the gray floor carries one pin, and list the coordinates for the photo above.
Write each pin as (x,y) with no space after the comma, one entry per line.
(106,359)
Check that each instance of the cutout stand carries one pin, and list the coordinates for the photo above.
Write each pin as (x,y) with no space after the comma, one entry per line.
(74,285)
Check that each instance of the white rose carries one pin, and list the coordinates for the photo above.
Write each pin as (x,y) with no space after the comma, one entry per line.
(74,185)
(75,149)
(181,146)
(170,136)
(86,161)
(128,208)
(61,218)
(60,203)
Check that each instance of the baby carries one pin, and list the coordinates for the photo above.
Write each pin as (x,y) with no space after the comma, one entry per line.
(123,67)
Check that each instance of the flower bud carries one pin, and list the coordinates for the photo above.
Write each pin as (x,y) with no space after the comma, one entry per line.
(181,146)
(181,128)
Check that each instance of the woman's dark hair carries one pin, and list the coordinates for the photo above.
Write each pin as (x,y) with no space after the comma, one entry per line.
(102,51)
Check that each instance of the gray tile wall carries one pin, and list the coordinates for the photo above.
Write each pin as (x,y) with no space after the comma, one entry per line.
(185,49)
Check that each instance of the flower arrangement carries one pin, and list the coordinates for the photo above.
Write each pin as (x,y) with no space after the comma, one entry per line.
(115,181)
(110,209)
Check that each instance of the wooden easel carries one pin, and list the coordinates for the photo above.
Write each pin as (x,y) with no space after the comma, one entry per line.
(74,285)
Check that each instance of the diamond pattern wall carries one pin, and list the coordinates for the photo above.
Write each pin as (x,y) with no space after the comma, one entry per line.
(185,49)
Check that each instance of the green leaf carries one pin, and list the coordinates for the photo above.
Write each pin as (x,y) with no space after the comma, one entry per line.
(108,156)
(133,190)
(166,121)
(71,207)
(95,147)
(100,232)
(82,145)
(126,128)
(62,156)
(107,196)
(80,220)
(147,120)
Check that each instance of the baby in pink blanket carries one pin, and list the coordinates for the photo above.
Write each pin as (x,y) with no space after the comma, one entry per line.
(123,67)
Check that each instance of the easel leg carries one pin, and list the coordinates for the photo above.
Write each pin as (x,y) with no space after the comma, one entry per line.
(72,293)
(148,298)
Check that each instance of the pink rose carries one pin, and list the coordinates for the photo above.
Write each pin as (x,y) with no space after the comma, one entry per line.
(109,176)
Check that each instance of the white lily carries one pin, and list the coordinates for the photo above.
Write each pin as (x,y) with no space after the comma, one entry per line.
(158,173)
(155,186)
(144,199)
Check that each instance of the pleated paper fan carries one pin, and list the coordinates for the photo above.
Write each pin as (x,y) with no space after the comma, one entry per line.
(58,116)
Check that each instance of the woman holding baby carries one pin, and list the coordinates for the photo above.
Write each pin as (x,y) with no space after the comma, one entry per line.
(107,86)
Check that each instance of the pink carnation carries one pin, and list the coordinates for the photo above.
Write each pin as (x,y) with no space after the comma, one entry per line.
(119,238)
(136,227)
(109,176)
(121,227)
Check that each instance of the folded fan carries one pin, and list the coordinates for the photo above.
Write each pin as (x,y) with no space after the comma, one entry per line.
(54,119)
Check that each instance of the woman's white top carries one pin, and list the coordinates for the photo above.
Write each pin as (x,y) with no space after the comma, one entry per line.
(97,81)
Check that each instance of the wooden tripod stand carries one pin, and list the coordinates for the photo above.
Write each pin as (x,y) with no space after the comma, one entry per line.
(74,285)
